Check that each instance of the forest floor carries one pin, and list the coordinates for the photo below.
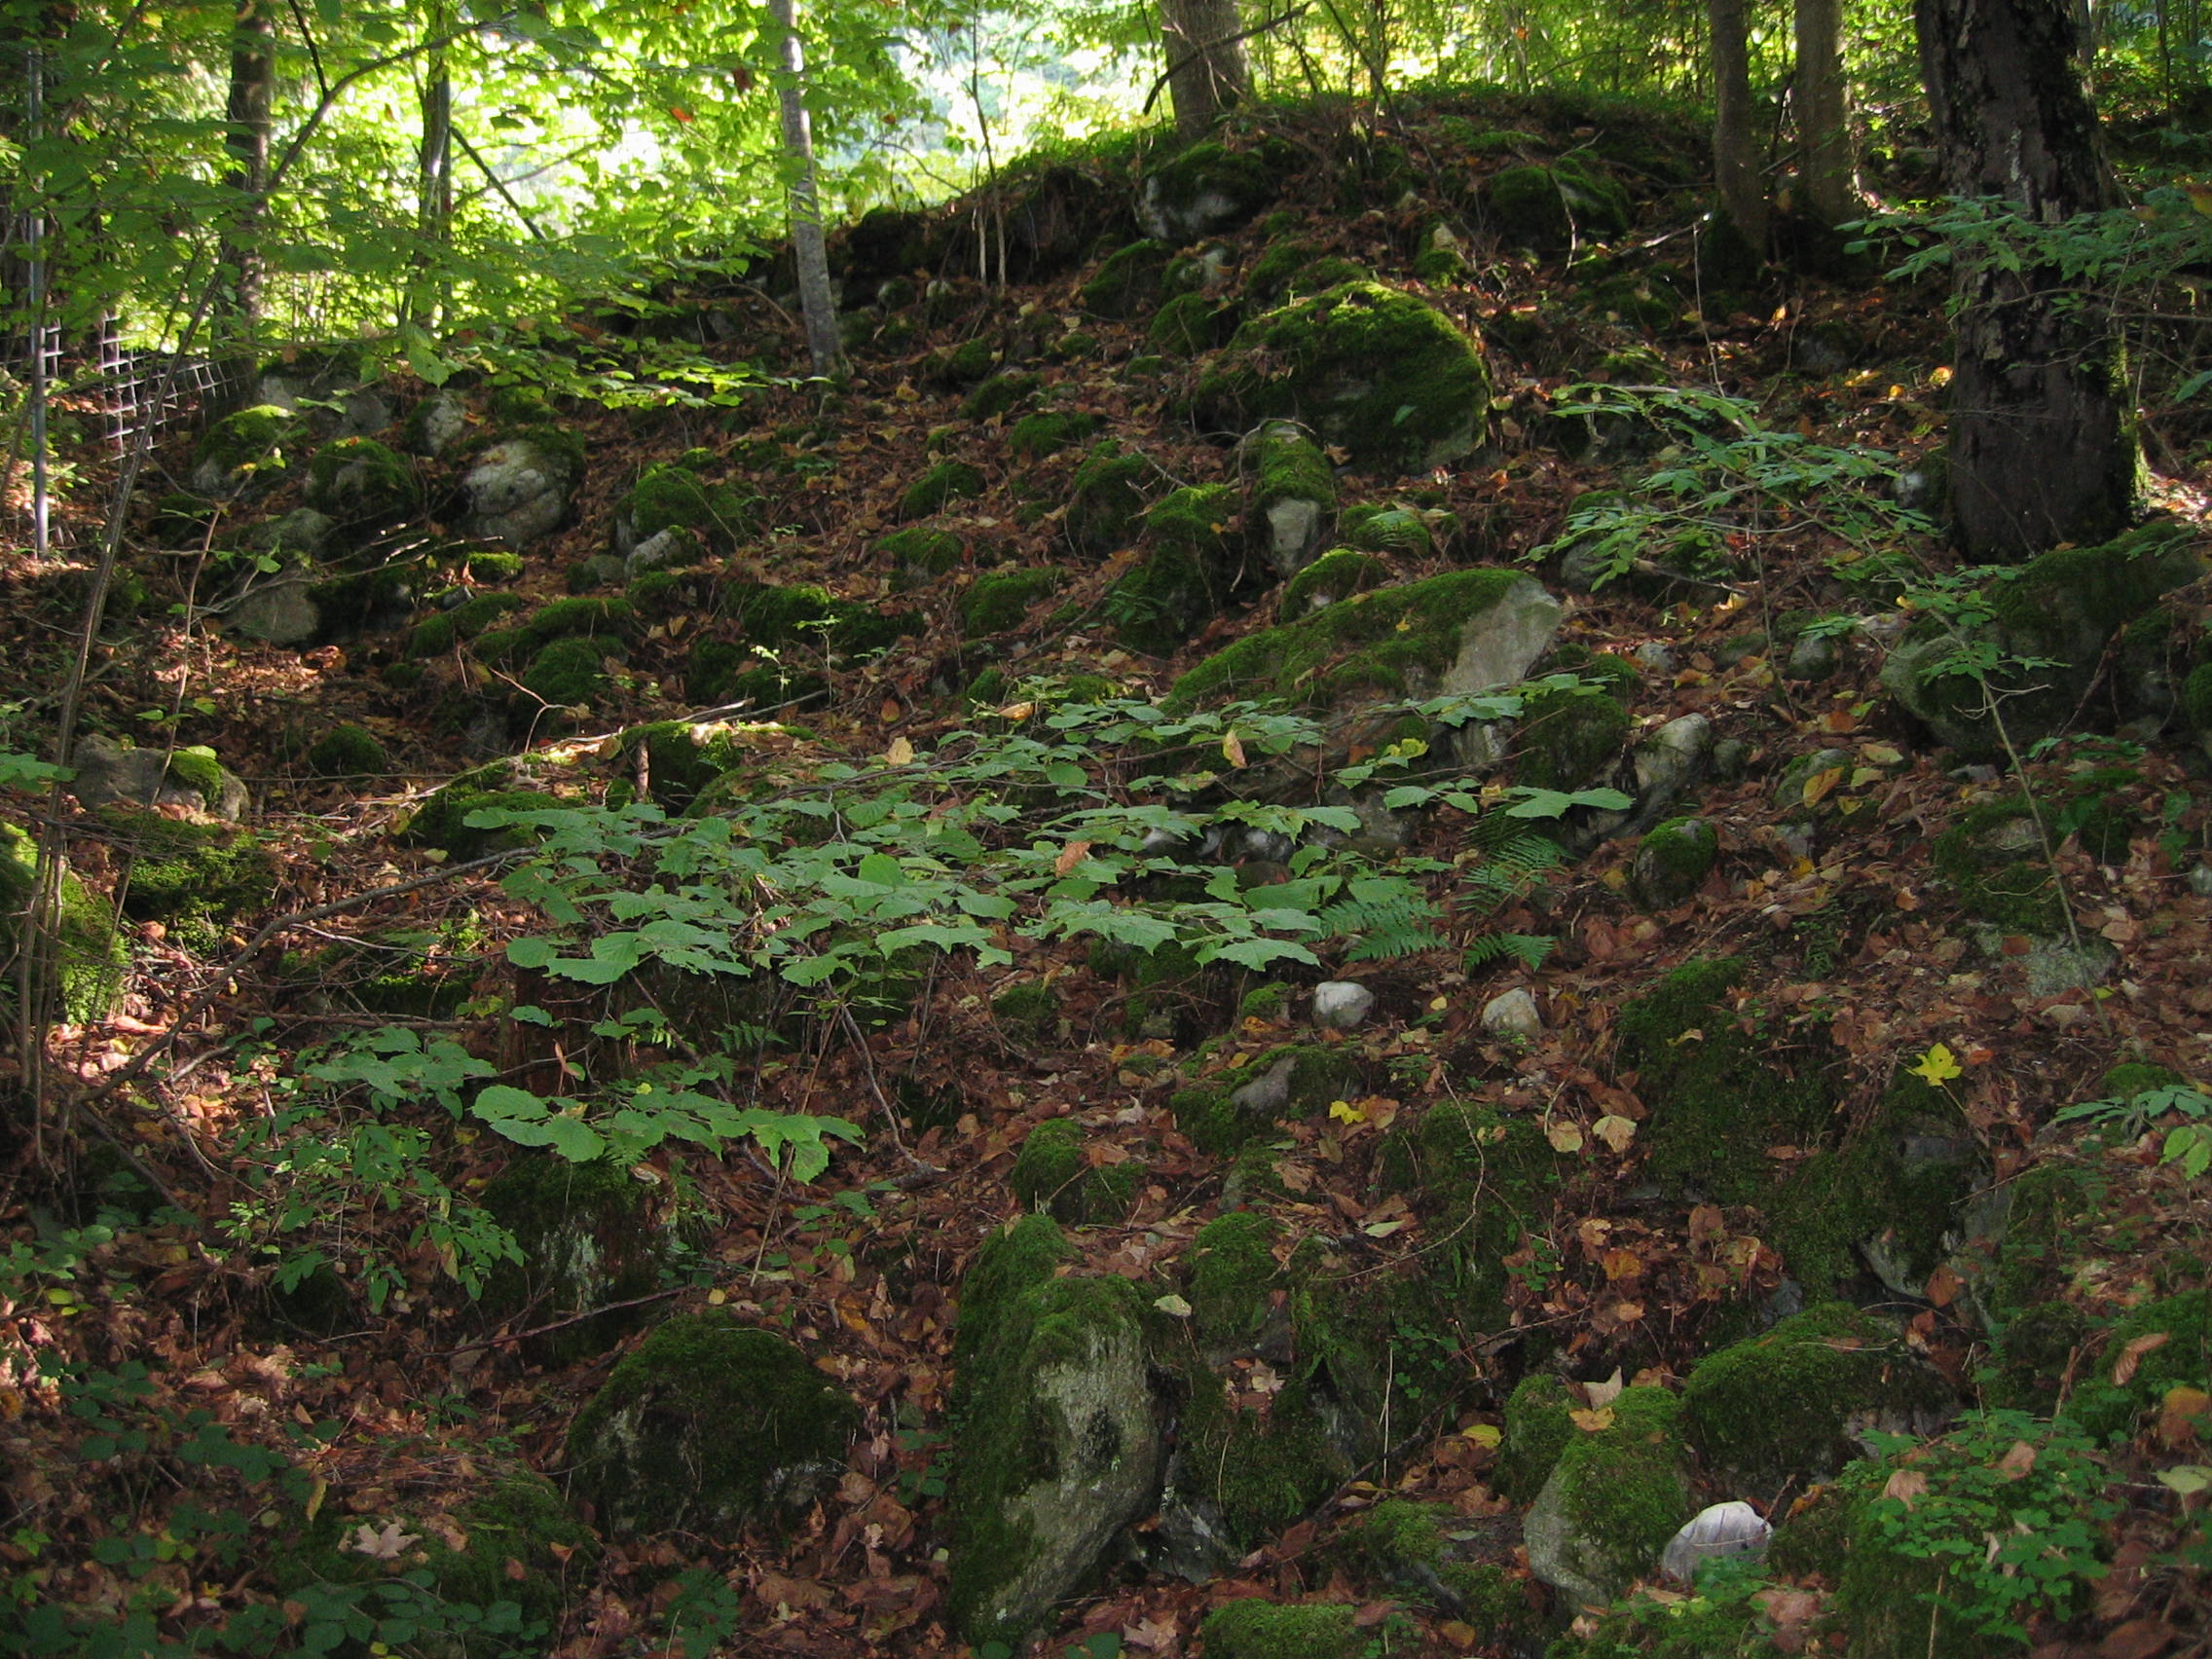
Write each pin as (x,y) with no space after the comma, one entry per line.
(401,1408)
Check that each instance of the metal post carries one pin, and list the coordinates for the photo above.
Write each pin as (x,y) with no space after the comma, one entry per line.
(34,75)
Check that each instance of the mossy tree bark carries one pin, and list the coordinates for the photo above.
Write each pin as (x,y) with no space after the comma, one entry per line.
(816,301)
(1736,170)
(2042,441)
(1208,72)
(1826,167)
(252,93)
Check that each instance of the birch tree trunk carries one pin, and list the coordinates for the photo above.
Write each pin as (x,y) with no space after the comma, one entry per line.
(817,302)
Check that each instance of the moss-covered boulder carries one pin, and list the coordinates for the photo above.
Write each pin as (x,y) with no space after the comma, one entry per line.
(191,778)
(1231,1268)
(519,490)
(1569,736)
(1993,858)
(1336,576)
(587,1238)
(88,956)
(197,879)
(507,1561)
(1061,1440)
(1053,1176)
(1672,861)
(1428,1554)
(241,449)
(362,484)
(1539,1424)
(442,821)
(567,674)
(1003,391)
(347,751)
(946,482)
(1486,1179)
(1191,323)
(1129,280)
(1547,206)
(1205,190)
(1033,438)
(1383,374)
(1401,531)
(676,498)
(919,554)
(1290,494)
(705,1425)
(1464,631)
(2060,613)
(1719,1095)
(1161,604)
(1616,1495)
(1219,1114)
(1264,1630)
(814,620)
(1789,1406)
(1000,599)
(1106,499)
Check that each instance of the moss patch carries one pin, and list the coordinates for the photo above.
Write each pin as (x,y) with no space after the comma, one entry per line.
(578,617)
(347,751)
(197,879)
(586,1239)
(1484,1179)
(1262,1630)
(705,1425)
(1222,1112)
(1401,532)
(1336,576)
(1051,1174)
(1001,599)
(1621,1490)
(88,953)
(1105,498)
(1000,393)
(1128,283)
(1033,438)
(1545,205)
(1993,858)
(358,481)
(1568,736)
(674,496)
(1540,1423)
(1231,1268)
(946,482)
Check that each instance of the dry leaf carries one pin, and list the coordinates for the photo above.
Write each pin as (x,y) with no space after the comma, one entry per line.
(899,754)
(1232,749)
(1156,1634)
(1817,785)
(2179,1413)
(1603,1394)
(2131,1356)
(1591,1422)
(381,1544)
(1616,1131)
(1905,1484)
(1563,1137)
(2018,1463)
(1071,855)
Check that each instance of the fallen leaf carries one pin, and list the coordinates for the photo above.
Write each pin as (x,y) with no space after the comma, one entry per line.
(2131,1356)
(1159,1635)
(1564,1135)
(2019,1461)
(1944,1286)
(1904,1485)
(1616,1131)
(899,754)
(1937,1066)
(1071,855)
(1344,1112)
(2179,1413)
(381,1544)
(1173,1306)
(1603,1394)
(1485,1434)
(1592,1421)
(1233,748)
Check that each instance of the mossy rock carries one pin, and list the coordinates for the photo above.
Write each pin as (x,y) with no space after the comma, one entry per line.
(706,1425)
(1290,494)
(197,879)
(1464,631)
(1568,737)
(1000,599)
(1195,520)
(468,620)
(514,1541)
(919,554)
(244,448)
(1671,862)
(1383,374)
(1401,532)
(801,615)
(88,954)
(724,675)
(1034,437)
(1000,393)
(1643,303)
(1162,603)
(1719,1096)
(970,363)
(581,618)
(359,482)
(1539,1424)
(1222,1112)
(1330,579)
(676,498)
(1279,262)
(1264,1630)
(1232,1268)
(1546,205)
(2106,1409)
(1127,283)
(1189,324)
(1488,1179)
(567,674)
(1785,1407)
(1613,1500)
(1061,1440)
(1106,499)
(350,753)
(1993,858)
(1421,1551)
(588,1240)
(1203,191)
(442,821)
(946,482)
(683,759)
(1029,1010)
(1051,1174)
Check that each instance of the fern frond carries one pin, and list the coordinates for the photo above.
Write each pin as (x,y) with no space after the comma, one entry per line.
(1397,920)
(1525,949)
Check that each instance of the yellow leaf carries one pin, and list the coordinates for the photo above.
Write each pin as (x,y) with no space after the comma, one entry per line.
(899,754)
(1563,1137)
(1233,748)
(1591,1423)
(1173,1306)
(1344,1112)
(1937,1066)
(1485,1434)
(1071,855)
(1821,783)
(1616,1131)
(1018,711)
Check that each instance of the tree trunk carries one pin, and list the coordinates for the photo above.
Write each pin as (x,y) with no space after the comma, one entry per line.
(253,85)
(1827,170)
(2042,435)
(816,300)
(1208,72)
(1736,174)
(432,299)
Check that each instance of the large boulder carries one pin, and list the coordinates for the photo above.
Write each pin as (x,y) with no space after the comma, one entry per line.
(360,484)
(1063,1440)
(1205,190)
(519,488)
(1547,206)
(191,778)
(1290,494)
(587,1239)
(278,609)
(247,448)
(1613,1500)
(1385,374)
(88,955)
(707,1424)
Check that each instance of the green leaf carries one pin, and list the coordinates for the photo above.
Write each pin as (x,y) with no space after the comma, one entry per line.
(883,870)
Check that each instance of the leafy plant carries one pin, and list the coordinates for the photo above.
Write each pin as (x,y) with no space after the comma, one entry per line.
(2186,1145)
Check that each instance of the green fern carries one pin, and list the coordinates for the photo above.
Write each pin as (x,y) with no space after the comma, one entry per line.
(1509,868)
(1385,917)
(1525,949)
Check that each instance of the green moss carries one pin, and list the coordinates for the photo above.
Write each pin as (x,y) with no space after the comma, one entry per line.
(1128,283)
(1231,1270)
(1229,185)
(946,482)
(443,820)
(1000,393)
(676,498)
(1279,262)
(705,1425)
(198,879)
(567,674)
(1353,646)
(1191,323)
(1718,1096)
(347,751)
(1336,576)
(1195,519)
(1033,438)
(2197,698)
(1270,1003)
(682,759)
(1625,1489)
(965,364)
(467,620)
(250,441)
(1217,1122)
(360,481)
(1290,491)
(2106,1409)
(1783,1406)
(1440,267)
(1400,531)
(1000,599)
(1993,858)
(1385,374)
(578,617)
(1010,1262)
(196,768)
(1261,1630)
(1568,736)
(721,674)
(88,954)
(1105,499)
(587,1240)
(772,617)
(1488,1179)
(493,567)
(1049,1172)
(1161,604)
(1545,205)
(1262,1471)
(1540,1423)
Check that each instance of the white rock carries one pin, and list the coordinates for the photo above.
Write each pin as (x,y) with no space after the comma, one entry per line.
(1722,1530)
(1513,1014)
(1340,1005)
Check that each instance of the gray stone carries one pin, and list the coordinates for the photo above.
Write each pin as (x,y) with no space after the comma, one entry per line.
(440,420)
(1668,764)
(1655,656)
(1267,1095)
(1731,760)
(656,550)
(1500,645)
(364,414)
(107,771)
(278,612)
(1513,1015)
(1342,1004)
(1815,657)
(303,529)
(2200,881)
(1672,863)
(1789,788)
(1294,533)
(518,492)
